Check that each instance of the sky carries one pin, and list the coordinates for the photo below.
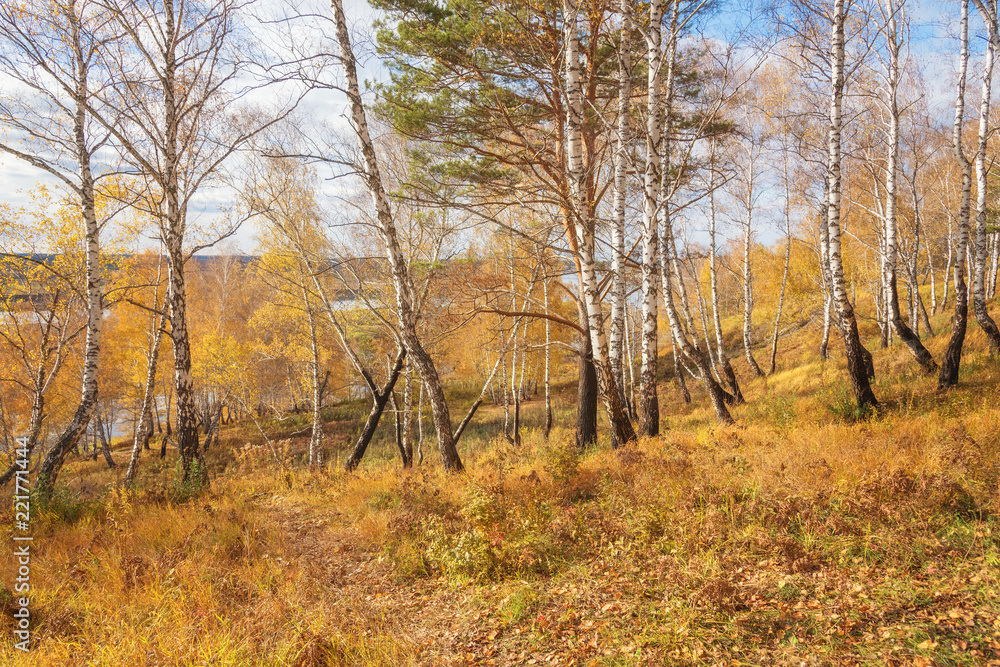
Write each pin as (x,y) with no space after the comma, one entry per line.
(933,25)
(18,179)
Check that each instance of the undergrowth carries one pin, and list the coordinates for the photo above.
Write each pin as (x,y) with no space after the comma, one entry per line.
(809,533)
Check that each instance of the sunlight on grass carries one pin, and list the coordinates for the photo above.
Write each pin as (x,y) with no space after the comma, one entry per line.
(802,531)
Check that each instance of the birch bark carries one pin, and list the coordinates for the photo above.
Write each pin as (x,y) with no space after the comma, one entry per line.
(787,211)
(82,146)
(856,354)
(145,430)
(987,9)
(622,430)
(952,359)
(616,333)
(687,348)
(727,368)
(547,423)
(387,227)
(889,277)
(648,408)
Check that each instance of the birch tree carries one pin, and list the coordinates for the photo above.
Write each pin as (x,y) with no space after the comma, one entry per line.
(890,15)
(857,367)
(623,431)
(748,192)
(144,431)
(952,359)
(726,368)
(786,212)
(621,155)
(648,404)
(372,178)
(988,12)
(688,349)
(50,50)
(174,121)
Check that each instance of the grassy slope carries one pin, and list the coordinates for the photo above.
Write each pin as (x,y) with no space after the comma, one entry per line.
(800,536)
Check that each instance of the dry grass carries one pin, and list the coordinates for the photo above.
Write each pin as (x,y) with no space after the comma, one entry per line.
(802,535)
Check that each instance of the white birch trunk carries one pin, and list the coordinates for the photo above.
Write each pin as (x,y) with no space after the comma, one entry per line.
(727,372)
(387,227)
(70,437)
(648,408)
(890,256)
(987,10)
(787,210)
(857,357)
(622,430)
(953,354)
(687,349)
(145,429)
(408,412)
(316,438)
(616,333)
(547,424)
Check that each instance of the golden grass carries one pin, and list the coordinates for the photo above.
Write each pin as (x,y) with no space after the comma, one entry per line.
(799,534)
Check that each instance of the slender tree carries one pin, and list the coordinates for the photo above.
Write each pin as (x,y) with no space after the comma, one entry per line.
(891,11)
(372,177)
(988,12)
(52,49)
(623,432)
(857,366)
(952,359)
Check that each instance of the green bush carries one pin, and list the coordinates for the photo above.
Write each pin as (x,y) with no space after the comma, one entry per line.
(561,460)
(496,539)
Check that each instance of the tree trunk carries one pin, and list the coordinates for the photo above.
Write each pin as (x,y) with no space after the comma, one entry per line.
(994,265)
(679,372)
(981,247)
(315,454)
(824,345)
(622,431)
(397,424)
(105,445)
(947,268)
(521,390)
(408,413)
(586,397)
(547,423)
(788,257)
(952,359)
(380,397)
(856,354)
(420,426)
(648,403)
(693,354)
(726,367)
(905,333)
(504,386)
(705,328)
(616,333)
(145,429)
(630,331)
(750,183)
(70,437)
(387,226)
(166,412)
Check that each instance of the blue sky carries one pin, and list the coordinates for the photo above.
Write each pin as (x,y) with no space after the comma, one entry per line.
(933,25)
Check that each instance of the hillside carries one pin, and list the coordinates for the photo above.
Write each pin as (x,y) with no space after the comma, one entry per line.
(800,536)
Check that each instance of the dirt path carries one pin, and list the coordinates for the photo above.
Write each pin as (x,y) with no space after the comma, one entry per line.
(580,619)
(435,622)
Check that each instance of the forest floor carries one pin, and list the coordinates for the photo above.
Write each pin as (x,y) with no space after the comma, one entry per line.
(807,534)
